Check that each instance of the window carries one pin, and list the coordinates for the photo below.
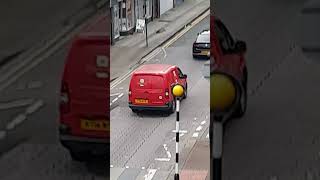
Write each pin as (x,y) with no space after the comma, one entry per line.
(225,40)
(203,38)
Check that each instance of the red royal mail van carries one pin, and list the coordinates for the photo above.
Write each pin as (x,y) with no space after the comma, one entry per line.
(84,98)
(150,87)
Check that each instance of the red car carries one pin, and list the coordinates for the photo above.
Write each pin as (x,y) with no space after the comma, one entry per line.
(84,98)
(150,87)
(227,56)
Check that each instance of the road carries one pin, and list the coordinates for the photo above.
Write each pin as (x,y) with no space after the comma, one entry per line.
(27,23)
(279,137)
(145,143)
(28,129)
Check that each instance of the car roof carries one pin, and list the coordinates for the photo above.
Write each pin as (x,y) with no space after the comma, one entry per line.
(205,32)
(154,69)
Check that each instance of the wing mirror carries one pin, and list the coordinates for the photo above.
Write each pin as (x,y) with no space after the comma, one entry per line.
(240,47)
(184,76)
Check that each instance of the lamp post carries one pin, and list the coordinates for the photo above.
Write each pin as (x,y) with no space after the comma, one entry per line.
(177,92)
(145,21)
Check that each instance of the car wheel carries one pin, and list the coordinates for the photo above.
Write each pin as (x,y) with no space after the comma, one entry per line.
(173,107)
(185,92)
(242,107)
(134,110)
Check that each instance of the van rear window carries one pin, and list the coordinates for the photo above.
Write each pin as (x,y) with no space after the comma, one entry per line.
(148,82)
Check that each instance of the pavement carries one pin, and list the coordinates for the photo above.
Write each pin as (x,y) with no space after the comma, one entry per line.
(130,49)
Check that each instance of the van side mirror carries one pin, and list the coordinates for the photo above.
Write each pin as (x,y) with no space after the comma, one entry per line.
(240,47)
(184,76)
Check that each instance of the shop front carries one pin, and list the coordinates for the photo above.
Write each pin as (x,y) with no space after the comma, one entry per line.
(126,13)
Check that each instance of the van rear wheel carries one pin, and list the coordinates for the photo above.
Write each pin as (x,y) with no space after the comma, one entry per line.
(173,107)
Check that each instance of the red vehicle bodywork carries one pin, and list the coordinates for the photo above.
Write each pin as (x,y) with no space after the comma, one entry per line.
(233,64)
(152,84)
(85,92)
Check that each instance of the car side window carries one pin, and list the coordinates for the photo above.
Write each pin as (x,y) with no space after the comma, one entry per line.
(225,40)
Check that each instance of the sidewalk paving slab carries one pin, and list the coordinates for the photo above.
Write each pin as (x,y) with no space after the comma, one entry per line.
(130,49)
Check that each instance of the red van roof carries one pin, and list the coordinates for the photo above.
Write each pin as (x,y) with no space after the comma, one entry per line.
(154,69)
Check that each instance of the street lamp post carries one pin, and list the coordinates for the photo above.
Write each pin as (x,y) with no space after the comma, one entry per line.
(177,92)
(145,20)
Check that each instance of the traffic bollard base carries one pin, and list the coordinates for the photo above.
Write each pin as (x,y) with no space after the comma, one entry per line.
(176,177)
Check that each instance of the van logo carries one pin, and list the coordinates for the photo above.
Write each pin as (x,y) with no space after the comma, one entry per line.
(141,81)
(102,61)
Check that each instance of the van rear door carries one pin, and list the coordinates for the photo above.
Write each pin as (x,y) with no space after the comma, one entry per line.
(148,90)
(87,78)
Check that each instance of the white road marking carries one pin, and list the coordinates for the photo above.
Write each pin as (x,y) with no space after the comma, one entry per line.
(165,52)
(115,94)
(206,117)
(121,88)
(151,173)
(17,120)
(111,166)
(167,152)
(143,168)
(127,167)
(181,131)
(207,136)
(115,99)
(3,134)
(203,122)
(199,128)
(34,107)
(195,118)
(195,134)
(162,159)
(180,135)
(120,95)
(15,104)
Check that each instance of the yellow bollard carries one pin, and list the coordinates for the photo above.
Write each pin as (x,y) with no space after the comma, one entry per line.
(222,92)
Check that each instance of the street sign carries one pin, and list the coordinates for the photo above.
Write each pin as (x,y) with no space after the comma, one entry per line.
(140,25)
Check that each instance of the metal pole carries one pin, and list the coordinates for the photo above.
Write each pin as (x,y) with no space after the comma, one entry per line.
(216,140)
(176,176)
(145,20)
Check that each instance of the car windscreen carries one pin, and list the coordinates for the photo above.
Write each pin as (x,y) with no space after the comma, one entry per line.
(148,82)
(203,38)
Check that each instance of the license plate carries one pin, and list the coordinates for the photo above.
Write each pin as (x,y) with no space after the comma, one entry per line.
(94,125)
(205,53)
(141,101)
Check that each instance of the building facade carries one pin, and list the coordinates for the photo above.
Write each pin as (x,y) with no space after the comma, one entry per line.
(125,13)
